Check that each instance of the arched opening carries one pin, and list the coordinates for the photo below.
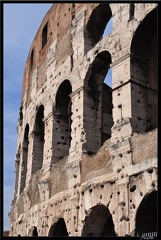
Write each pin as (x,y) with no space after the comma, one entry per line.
(38,148)
(96,25)
(98,103)
(146,216)
(24,158)
(62,126)
(144,73)
(33,232)
(58,228)
(99,223)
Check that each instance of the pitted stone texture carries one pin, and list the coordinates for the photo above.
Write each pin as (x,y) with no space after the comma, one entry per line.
(90,150)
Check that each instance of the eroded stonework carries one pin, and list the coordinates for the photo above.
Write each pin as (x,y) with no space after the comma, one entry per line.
(86,162)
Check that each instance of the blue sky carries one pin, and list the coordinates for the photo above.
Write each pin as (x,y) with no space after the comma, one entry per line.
(20,23)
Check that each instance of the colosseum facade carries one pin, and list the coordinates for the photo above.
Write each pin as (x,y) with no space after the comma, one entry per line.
(86,159)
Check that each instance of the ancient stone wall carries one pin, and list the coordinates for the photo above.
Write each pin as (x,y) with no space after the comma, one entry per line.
(86,162)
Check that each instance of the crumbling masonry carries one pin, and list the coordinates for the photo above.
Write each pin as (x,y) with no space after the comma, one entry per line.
(86,162)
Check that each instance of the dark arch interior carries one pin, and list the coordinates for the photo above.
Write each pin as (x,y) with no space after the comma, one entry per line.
(99,223)
(40,123)
(146,217)
(98,105)
(144,35)
(38,140)
(100,67)
(58,228)
(62,126)
(26,133)
(35,233)
(98,71)
(144,72)
(63,98)
(97,24)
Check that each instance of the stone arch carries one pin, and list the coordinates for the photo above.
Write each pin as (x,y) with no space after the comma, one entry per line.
(98,103)
(98,223)
(96,25)
(144,73)
(39,132)
(24,158)
(58,228)
(146,215)
(62,124)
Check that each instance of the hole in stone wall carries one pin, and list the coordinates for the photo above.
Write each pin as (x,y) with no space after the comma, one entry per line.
(44,35)
(150,170)
(133,188)
(32,59)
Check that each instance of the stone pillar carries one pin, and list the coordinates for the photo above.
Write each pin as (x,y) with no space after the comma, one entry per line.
(121,98)
(20,171)
(24,166)
(48,148)
(30,157)
(123,207)
(17,171)
(77,35)
(77,128)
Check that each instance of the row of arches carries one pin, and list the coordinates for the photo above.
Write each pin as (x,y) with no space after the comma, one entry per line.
(143,72)
(62,129)
(98,106)
(99,221)
(143,62)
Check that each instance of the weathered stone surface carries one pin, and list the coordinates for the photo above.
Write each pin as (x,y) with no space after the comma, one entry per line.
(86,161)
